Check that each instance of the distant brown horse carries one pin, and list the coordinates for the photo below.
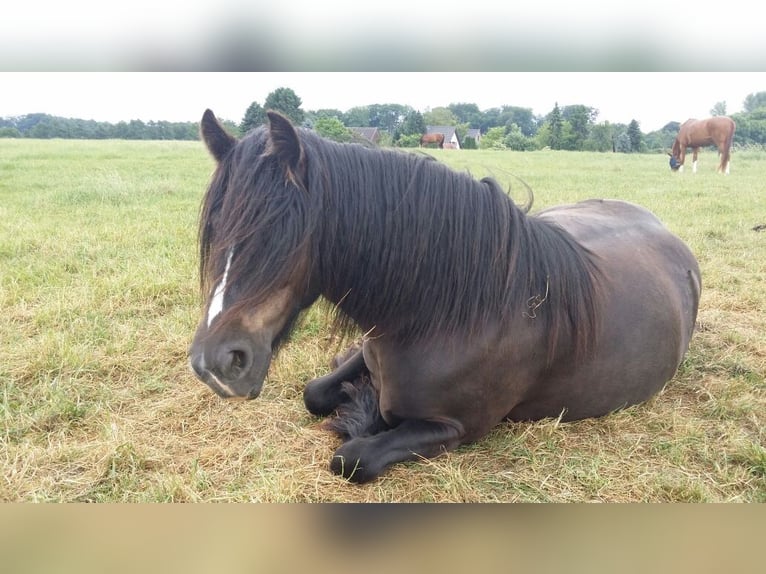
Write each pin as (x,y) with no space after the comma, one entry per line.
(718,131)
(437,139)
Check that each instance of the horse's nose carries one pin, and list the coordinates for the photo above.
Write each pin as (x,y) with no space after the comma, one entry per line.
(229,361)
(232,361)
(197,362)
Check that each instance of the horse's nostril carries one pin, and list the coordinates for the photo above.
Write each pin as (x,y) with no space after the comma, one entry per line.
(237,359)
(236,362)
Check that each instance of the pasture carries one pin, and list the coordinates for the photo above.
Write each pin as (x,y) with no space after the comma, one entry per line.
(99,301)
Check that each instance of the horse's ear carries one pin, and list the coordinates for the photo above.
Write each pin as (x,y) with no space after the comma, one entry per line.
(216,138)
(287,148)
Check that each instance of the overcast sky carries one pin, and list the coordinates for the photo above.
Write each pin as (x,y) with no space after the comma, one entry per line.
(438,42)
(653,99)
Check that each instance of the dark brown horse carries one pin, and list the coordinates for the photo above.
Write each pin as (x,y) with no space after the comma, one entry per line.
(717,131)
(437,139)
(473,311)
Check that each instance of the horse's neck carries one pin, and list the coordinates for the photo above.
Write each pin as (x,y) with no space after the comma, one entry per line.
(374,263)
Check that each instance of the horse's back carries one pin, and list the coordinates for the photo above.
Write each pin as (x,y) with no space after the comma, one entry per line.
(594,221)
(649,296)
(631,244)
(718,130)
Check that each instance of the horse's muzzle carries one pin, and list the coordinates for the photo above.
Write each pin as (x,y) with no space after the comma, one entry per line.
(231,372)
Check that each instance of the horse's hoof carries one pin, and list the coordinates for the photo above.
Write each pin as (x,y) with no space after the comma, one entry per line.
(320,400)
(350,464)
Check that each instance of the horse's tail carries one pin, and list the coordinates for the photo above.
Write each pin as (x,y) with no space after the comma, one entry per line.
(726,153)
(360,415)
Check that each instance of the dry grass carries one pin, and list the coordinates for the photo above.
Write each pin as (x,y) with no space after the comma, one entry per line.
(98,300)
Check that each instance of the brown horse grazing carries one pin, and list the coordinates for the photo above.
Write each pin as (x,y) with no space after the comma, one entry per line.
(718,131)
(473,311)
(437,139)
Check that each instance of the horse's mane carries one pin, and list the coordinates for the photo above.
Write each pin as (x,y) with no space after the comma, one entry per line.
(400,242)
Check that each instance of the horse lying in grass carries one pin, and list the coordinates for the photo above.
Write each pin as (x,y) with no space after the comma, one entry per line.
(473,311)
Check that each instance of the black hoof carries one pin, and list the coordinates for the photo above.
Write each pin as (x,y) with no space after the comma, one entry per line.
(351,466)
(321,400)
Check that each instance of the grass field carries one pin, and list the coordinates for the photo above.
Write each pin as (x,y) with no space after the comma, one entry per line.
(98,303)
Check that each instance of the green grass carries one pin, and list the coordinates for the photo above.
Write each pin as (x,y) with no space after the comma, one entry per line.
(98,303)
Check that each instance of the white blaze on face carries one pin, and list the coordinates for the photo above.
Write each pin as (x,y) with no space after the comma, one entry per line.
(216,305)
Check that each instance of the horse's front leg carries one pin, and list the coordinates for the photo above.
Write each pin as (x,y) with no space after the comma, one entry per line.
(323,395)
(364,458)
(694,159)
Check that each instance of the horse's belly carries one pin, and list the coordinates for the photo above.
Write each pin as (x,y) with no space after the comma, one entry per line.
(474,380)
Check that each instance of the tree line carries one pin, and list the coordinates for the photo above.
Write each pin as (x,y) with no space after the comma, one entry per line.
(45,126)
(572,127)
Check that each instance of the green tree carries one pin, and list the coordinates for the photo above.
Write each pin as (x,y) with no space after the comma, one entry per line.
(555,128)
(751,127)
(413,124)
(490,119)
(719,109)
(522,117)
(388,117)
(461,130)
(622,143)
(313,115)
(601,138)
(635,136)
(136,130)
(287,102)
(9,132)
(27,122)
(466,114)
(580,118)
(332,128)
(516,140)
(493,139)
(358,116)
(408,140)
(254,116)
(46,126)
(327,113)
(662,139)
(120,130)
(754,101)
(440,117)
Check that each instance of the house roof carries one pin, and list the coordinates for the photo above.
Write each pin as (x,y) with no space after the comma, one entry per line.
(371,134)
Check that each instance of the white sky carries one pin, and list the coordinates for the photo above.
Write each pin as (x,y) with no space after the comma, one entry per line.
(653,99)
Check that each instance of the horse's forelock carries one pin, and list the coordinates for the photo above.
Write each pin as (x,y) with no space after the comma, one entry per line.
(249,207)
